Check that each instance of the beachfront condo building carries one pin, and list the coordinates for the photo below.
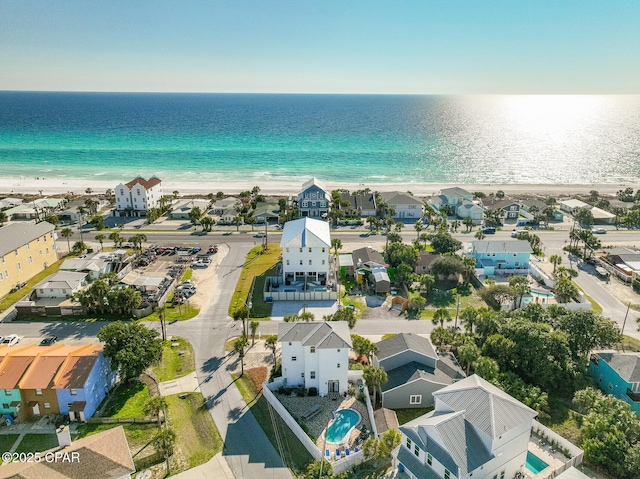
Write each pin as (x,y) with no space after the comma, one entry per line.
(138,196)
(25,250)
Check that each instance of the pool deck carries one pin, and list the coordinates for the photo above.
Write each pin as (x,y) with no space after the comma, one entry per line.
(551,456)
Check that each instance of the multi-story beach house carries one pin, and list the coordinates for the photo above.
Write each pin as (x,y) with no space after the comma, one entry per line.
(312,199)
(14,361)
(618,374)
(305,247)
(450,198)
(501,257)
(138,196)
(405,205)
(25,250)
(316,355)
(83,381)
(475,431)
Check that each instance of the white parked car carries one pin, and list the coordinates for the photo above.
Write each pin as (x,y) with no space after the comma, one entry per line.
(599,231)
(11,340)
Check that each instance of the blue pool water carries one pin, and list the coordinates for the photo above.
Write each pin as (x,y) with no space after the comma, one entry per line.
(541,294)
(339,429)
(534,463)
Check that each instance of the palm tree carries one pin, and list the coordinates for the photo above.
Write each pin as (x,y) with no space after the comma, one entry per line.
(455,225)
(176,193)
(555,260)
(271,342)
(239,346)
(468,317)
(520,285)
(468,222)
(137,240)
(253,326)
(468,353)
(3,217)
(67,233)
(160,312)
(440,316)
(116,238)
(565,289)
(241,314)
(336,244)
(163,443)
(154,406)
(237,220)
(100,238)
(374,377)
(479,235)
(419,226)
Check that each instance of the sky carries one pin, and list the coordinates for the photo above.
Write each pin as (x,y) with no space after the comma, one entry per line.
(325,46)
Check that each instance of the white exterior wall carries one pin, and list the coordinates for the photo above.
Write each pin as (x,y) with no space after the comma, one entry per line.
(138,198)
(312,362)
(407,211)
(53,292)
(291,257)
(292,370)
(329,370)
(123,198)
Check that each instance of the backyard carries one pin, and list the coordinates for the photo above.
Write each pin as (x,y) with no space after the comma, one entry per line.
(446,294)
(177,360)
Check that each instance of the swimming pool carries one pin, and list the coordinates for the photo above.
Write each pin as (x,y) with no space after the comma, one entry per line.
(344,421)
(534,463)
(541,294)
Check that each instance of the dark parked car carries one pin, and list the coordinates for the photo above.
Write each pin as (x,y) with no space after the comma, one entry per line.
(48,341)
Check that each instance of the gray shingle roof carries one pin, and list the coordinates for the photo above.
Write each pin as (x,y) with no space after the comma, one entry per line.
(15,235)
(403,342)
(412,371)
(457,191)
(627,365)
(366,255)
(399,198)
(63,279)
(504,246)
(321,334)
(490,409)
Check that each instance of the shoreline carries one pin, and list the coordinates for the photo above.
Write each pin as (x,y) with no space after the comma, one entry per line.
(16,186)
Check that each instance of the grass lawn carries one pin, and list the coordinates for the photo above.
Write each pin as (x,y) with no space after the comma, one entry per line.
(298,454)
(188,274)
(563,420)
(256,265)
(444,296)
(176,361)
(595,306)
(358,302)
(12,298)
(127,400)
(197,438)
(409,414)
(179,312)
(37,442)
(630,344)
(7,440)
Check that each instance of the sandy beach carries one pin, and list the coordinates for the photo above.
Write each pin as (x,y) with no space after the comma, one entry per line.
(32,186)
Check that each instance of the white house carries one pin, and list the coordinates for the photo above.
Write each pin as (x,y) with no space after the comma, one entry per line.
(305,247)
(316,354)
(475,431)
(94,267)
(60,285)
(469,209)
(138,196)
(451,198)
(406,206)
(181,210)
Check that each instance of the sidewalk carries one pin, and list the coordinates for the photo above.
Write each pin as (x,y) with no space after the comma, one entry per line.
(216,468)
(185,384)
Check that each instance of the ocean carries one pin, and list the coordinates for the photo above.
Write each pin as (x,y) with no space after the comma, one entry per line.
(365,139)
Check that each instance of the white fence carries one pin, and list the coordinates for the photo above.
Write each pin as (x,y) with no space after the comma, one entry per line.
(540,273)
(575,452)
(300,295)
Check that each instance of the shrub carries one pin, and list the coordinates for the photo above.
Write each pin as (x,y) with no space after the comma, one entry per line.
(287,391)
(361,397)
(313,391)
(636,285)
(276,372)
(301,392)
(351,391)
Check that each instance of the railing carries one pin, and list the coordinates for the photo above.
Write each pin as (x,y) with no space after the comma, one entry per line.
(635,397)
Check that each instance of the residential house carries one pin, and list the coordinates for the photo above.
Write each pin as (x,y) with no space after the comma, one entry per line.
(370,267)
(450,198)
(414,371)
(313,200)
(181,210)
(510,208)
(104,455)
(267,212)
(38,398)
(60,285)
(93,267)
(470,209)
(34,210)
(501,257)
(228,209)
(9,202)
(25,250)
(599,215)
(425,260)
(305,247)
(476,430)
(83,382)
(346,264)
(71,212)
(618,374)
(571,205)
(138,196)
(360,204)
(14,361)
(316,354)
(531,206)
(405,205)
(626,262)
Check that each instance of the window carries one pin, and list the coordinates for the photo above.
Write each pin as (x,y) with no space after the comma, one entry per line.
(16,252)
(313,203)
(338,349)
(416,450)
(502,475)
(301,250)
(447,474)
(1,277)
(302,375)
(288,262)
(73,392)
(28,246)
(5,405)
(323,261)
(312,374)
(138,191)
(294,358)
(323,250)
(47,250)
(30,259)
(338,366)
(495,476)
(430,459)
(305,204)
(517,263)
(408,443)
(6,273)
(310,262)
(415,399)
(19,267)
(287,250)
(300,262)
(47,405)
(313,349)
(309,250)
(38,392)
(7,392)
(3,260)
(40,252)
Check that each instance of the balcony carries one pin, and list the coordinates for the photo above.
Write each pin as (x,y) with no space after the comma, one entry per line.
(635,397)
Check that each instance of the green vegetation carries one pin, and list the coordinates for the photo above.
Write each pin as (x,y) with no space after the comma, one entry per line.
(258,265)
(188,274)
(37,443)
(177,361)
(409,414)
(127,400)
(388,335)
(298,458)
(595,306)
(175,312)
(11,298)
(6,441)
(197,437)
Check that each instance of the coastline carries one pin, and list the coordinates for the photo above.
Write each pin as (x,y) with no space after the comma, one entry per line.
(16,186)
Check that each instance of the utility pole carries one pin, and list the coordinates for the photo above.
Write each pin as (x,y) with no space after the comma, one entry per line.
(624,323)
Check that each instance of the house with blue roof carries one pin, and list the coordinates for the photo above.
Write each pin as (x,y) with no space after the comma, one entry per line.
(618,374)
(475,430)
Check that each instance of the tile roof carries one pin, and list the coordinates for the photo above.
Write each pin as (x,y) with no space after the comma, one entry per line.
(150,183)
(627,365)
(321,335)
(15,235)
(306,232)
(104,455)
(502,246)
(404,342)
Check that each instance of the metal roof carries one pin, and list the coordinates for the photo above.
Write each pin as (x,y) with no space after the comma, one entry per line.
(15,235)
(456,190)
(306,232)
(64,279)
(502,246)
(627,365)
(313,182)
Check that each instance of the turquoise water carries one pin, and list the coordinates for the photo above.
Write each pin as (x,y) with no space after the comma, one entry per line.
(542,294)
(534,463)
(345,419)
(367,139)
